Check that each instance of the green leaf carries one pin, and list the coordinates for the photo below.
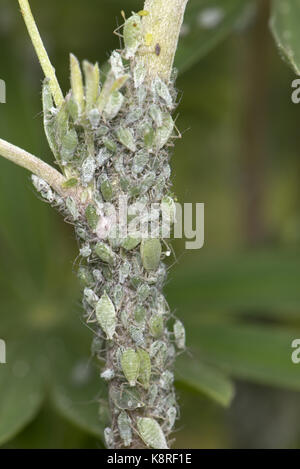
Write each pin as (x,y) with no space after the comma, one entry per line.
(78,391)
(256,353)
(206,23)
(285,28)
(260,282)
(21,390)
(204,379)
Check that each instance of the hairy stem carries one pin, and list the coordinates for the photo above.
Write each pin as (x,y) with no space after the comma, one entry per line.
(41,52)
(121,146)
(38,167)
(163,26)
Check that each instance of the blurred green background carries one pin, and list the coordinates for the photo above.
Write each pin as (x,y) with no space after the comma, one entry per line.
(239,296)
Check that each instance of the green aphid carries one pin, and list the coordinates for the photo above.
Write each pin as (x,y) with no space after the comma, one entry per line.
(62,122)
(126,398)
(109,438)
(102,131)
(106,315)
(106,190)
(72,107)
(90,296)
(163,92)
(113,105)
(130,363)
(139,314)
(85,277)
(88,169)
(72,182)
(159,352)
(140,160)
(152,394)
(149,136)
(161,304)
(171,417)
(150,253)
(166,380)
(107,272)
(114,239)
(130,243)
(81,232)
(156,325)
(110,144)
(124,425)
(133,115)
(125,136)
(49,119)
(132,33)
(145,368)
(143,292)
(136,333)
(124,183)
(116,64)
(170,399)
(151,433)
(92,216)
(179,333)
(92,84)
(141,93)
(77,83)
(124,319)
(94,118)
(69,144)
(119,165)
(124,271)
(147,182)
(164,132)
(118,295)
(102,157)
(139,72)
(135,190)
(110,86)
(72,208)
(168,209)
(136,281)
(85,250)
(105,253)
(156,115)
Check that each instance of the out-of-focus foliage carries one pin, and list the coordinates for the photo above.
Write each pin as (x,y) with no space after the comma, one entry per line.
(240,306)
(285,28)
(206,23)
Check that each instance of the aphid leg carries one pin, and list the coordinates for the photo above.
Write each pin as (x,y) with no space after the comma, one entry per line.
(179,134)
(121,26)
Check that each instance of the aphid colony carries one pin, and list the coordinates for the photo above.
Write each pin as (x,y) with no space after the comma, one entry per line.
(111,137)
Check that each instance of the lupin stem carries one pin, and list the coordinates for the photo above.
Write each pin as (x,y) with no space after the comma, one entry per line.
(41,52)
(163,26)
(38,167)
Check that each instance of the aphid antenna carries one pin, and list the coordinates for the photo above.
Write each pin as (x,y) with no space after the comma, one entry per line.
(86,325)
(118,35)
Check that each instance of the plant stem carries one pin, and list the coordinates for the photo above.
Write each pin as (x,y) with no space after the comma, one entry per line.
(38,167)
(41,52)
(163,24)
